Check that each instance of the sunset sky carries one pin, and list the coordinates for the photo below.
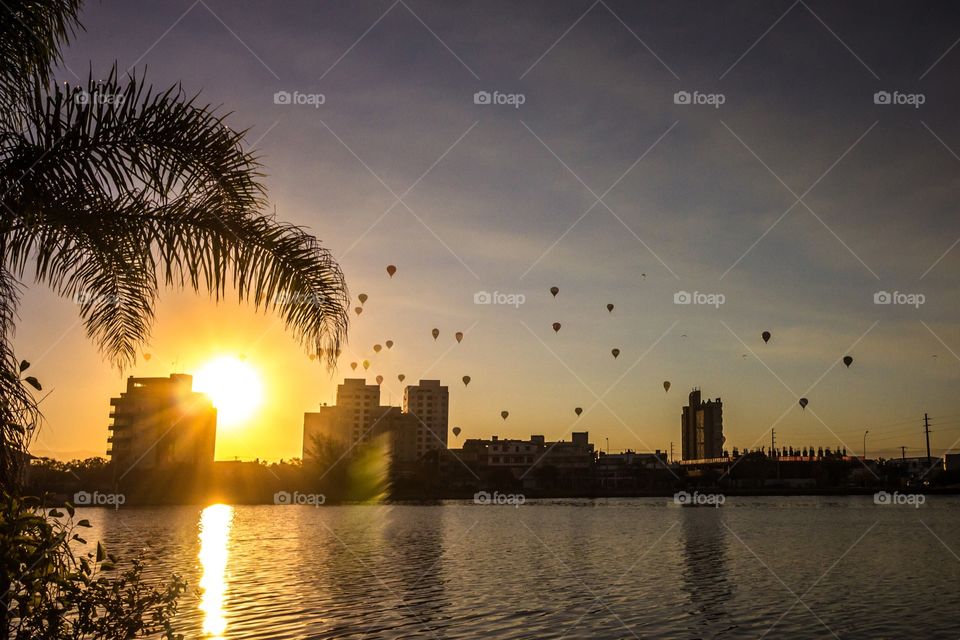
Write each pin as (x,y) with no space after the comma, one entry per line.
(600,184)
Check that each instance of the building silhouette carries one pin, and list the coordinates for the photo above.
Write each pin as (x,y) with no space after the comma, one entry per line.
(159,422)
(701,425)
(430,403)
(357,418)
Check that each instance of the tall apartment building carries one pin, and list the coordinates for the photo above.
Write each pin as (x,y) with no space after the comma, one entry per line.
(159,422)
(701,425)
(429,401)
(358,418)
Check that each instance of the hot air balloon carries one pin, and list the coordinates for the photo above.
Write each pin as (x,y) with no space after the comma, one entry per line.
(666,386)
(578,410)
(459,336)
(313,356)
(379,379)
(401,377)
(766,336)
(456,431)
(362,298)
(615,352)
(366,365)
(610,307)
(504,414)
(377,348)
(353,365)
(803,403)
(389,344)
(466,380)
(147,357)
(436,333)
(359,310)
(554,291)
(391,270)
(848,360)
(556,327)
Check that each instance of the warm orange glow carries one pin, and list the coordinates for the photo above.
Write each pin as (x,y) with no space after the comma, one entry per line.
(234,387)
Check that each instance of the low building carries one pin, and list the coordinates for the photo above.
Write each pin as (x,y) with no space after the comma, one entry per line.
(160,422)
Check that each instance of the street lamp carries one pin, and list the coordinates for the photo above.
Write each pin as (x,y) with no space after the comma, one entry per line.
(865,444)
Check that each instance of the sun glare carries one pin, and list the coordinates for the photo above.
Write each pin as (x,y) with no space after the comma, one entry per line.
(234,387)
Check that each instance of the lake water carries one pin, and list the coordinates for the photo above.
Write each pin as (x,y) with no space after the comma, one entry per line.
(802,567)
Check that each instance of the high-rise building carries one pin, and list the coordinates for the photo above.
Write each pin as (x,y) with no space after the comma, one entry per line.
(159,422)
(430,403)
(702,428)
(356,419)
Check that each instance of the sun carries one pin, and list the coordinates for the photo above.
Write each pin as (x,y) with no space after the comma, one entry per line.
(234,387)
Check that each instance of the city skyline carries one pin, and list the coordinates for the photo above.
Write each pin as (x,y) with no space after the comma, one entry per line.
(628,196)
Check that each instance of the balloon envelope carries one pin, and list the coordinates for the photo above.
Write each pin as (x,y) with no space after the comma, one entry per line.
(615,352)
(803,403)
(353,365)
(389,344)
(379,379)
(504,414)
(377,348)
(848,360)
(366,365)
(401,377)
(610,307)
(147,356)
(766,336)
(359,310)
(456,431)
(391,270)
(578,410)
(459,336)
(556,327)
(554,291)
(362,298)
(466,380)
(666,385)
(436,333)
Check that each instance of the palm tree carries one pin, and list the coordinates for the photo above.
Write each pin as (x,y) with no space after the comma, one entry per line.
(110,189)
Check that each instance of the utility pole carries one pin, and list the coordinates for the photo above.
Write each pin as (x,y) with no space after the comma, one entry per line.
(671,452)
(903,453)
(926,431)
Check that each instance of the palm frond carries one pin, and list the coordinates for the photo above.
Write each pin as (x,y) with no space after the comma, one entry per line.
(106,193)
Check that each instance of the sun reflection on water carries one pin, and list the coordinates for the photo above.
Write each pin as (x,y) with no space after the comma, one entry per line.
(215,523)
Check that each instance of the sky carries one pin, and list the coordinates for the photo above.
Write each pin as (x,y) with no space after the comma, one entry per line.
(786,193)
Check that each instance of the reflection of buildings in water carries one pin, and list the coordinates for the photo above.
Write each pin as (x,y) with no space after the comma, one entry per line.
(705,570)
(214,536)
(414,566)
